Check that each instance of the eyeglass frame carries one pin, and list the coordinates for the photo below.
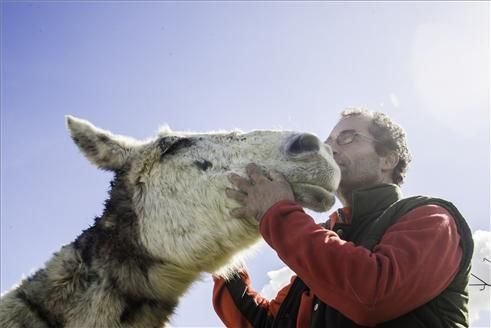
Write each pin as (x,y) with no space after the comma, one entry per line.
(353,134)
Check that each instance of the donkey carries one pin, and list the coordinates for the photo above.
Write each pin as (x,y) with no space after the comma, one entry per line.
(166,221)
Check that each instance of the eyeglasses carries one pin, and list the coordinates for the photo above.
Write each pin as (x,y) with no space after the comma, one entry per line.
(347,137)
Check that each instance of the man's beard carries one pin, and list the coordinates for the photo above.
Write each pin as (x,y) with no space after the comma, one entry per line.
(348,185)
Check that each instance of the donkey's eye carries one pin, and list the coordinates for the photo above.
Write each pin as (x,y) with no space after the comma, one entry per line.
(203,164)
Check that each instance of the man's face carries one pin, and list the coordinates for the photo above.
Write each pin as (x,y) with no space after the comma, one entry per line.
(360,165)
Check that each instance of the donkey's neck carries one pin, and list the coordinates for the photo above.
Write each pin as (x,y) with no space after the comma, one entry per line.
(145,287)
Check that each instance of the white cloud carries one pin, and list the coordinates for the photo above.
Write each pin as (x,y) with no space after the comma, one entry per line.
(278,279)
(479,299)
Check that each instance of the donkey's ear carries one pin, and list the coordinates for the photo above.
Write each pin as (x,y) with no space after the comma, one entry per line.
(101,147)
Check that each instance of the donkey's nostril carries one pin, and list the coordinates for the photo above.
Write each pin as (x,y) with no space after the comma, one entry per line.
(304,143)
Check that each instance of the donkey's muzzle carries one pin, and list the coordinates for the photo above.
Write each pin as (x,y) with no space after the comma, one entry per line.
(303,143)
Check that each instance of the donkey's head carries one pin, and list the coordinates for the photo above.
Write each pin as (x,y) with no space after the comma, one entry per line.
(176,185)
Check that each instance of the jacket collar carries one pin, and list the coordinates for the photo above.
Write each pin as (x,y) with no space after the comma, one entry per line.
(372,201)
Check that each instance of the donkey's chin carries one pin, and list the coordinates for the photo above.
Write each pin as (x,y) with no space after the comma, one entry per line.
(313,197)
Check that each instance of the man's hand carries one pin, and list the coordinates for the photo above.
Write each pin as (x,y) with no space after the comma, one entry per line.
(259,193)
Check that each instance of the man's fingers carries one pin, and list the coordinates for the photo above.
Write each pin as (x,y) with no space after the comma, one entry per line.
(242,183)
(255,173)
(239,212)
(236,195)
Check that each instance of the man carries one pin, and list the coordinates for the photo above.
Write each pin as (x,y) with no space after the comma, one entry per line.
(379,261)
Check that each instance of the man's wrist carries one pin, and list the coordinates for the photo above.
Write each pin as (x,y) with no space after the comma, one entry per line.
(272,210)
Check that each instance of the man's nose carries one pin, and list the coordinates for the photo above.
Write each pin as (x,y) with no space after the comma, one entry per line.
(332,148)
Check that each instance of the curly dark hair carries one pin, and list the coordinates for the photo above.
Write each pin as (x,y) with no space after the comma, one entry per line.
(390,137)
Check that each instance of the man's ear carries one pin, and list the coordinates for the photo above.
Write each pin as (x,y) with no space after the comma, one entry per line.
(101,147)
(390,161)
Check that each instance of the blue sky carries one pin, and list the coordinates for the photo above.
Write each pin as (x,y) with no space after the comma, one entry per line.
(200,66)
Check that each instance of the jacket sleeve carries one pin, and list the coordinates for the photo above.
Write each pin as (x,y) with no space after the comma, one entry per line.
(238,305)
(415,261)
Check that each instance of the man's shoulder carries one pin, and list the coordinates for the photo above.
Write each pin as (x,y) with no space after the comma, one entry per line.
(406,213)
(435,211)
(423,203)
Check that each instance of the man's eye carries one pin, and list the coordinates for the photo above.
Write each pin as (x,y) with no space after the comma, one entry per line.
(345,138)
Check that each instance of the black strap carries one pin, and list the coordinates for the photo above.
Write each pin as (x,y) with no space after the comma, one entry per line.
(256,315)
(288,312)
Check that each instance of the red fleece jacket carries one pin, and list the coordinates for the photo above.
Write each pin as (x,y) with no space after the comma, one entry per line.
(415,261)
